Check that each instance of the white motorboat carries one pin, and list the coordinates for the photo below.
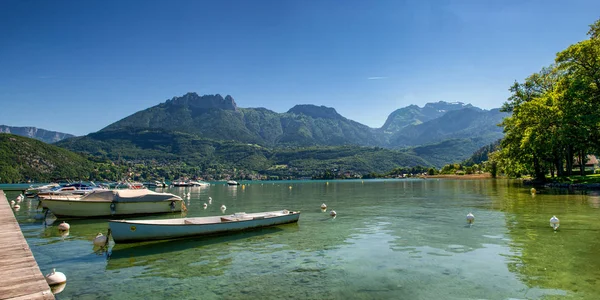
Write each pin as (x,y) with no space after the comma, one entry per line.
(115,202)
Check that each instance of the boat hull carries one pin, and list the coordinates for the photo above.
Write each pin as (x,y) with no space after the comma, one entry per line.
(81,208)
(137,231)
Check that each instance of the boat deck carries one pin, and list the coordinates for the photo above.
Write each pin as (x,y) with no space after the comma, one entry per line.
(20,273)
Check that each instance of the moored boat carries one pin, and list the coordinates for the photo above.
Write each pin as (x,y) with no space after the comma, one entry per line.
(115,202)
(180,183)
(198,183)
(232,182)
(124,231)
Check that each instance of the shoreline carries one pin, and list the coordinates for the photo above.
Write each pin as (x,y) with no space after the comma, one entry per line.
(466,176)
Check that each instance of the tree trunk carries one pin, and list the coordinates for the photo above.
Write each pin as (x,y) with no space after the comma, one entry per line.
(539,173)
(569,160)
(558,164)
(581,163)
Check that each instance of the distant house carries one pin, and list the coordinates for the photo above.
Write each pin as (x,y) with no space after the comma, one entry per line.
(592,162)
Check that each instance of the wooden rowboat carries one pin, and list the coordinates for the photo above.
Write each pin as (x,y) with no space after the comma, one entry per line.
(124,231)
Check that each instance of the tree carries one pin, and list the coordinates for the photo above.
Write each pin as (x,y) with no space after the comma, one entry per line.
(555,113)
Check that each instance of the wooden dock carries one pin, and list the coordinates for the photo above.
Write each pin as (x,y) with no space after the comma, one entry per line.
(20,275)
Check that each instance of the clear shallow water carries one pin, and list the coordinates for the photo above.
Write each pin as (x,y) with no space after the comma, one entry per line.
(400,239)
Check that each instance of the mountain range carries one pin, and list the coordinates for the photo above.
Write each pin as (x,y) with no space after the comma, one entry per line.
(217,117)
(43,135)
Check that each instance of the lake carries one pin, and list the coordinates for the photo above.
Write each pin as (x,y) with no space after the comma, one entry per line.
(391,239)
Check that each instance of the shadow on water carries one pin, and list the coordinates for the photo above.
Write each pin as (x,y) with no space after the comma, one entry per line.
(175,245)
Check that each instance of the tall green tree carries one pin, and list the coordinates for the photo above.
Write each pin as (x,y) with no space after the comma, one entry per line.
(555,115)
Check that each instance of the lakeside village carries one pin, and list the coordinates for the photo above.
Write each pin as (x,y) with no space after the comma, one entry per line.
(142,173)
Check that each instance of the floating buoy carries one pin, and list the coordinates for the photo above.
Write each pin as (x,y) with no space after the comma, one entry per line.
(64,226)
(470,218)
(327,183)
(554,222)
(12,202)
(17,207)
(533,191)
(332,213)
(290,187)
(100,240)
(223,207)
(323,206)
(205,205)
(55,277)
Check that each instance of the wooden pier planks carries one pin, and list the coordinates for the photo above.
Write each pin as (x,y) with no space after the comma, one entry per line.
(21,276)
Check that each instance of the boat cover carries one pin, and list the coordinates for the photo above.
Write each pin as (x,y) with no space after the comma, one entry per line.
(134,195)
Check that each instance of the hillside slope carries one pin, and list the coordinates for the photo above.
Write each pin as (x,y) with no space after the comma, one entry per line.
(23,159)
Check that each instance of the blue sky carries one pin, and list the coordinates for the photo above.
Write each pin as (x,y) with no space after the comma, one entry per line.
(77,66)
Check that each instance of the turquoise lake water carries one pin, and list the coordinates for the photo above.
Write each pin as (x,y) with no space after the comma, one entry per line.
(392,239)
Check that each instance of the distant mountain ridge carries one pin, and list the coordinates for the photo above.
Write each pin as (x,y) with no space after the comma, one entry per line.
(415,115)
(468,122)
(43,135)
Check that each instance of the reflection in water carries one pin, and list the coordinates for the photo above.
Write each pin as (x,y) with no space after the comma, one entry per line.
(564,260)
(393,239)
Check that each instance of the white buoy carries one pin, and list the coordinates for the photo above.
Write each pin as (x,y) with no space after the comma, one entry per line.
(205,205)
(100,240)
(332,213)
(554,222)
(64,226)
(17,207)
(223,207)
(533,191)
(470,218)
(12,203)
(189,194)
(323,206)
(55,277)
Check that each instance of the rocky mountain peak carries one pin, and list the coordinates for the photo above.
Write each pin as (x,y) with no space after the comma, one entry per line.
(193,100)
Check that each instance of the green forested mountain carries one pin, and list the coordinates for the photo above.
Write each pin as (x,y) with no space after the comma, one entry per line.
(176,154)
(43,135)
(215,117)
(23,159)
(482,154)
(448,151)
